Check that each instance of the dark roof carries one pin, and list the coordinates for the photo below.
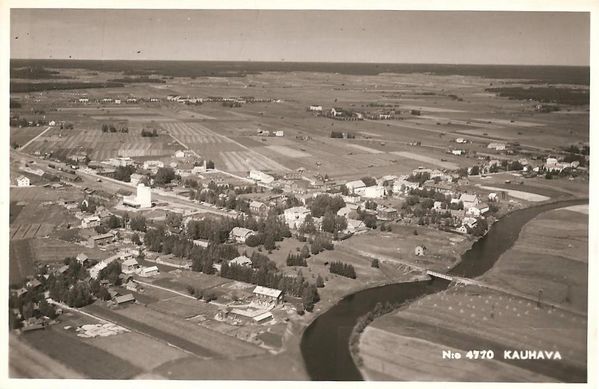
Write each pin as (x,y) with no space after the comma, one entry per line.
(124,299)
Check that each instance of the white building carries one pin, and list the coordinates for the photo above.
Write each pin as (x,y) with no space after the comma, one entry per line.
(84,100)
(153,165)
(23,181)
(492,196)
(351,199)
(353,186)
(460,140)
(129,266)
(469,200)
(354,225)
(316,108)
(261,176)
(240,234)
(94,272)
(267,295)
(294,217)
(143,198)
(121,161)
(402,185)
(149,271)
(371,192)
(496,146)
(90,222)
(242,260)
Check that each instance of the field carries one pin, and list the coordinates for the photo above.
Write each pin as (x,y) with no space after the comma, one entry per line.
(100,146)
(27,362)
(228,135)
(443,248)
(471,318)
(88,360)
(549,256)
(23,135)
(389,363)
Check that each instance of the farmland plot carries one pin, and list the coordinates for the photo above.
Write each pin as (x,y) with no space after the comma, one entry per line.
(242,161)
(84,358)
(102,145)
(427,160)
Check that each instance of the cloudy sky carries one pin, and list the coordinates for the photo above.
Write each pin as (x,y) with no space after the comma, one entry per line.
(326,36)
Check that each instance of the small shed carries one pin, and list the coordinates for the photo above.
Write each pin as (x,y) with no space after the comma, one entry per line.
(420,251)
(125,299)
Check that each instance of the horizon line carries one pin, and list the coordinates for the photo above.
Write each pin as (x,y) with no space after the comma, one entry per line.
(296,62)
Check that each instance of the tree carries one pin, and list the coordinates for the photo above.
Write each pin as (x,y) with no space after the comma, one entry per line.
(309,297)
(254,240)
(319,282)
(475,171)
(210,164)
(123,173)
(269,242)
(174,220)
(114,222)
(369,221)
(164,176)
(138,223)
(374,263)
(136,240)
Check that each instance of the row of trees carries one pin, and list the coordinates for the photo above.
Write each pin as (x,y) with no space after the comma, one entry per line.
(343,269)
(299,258)
(111,128)
(147,133)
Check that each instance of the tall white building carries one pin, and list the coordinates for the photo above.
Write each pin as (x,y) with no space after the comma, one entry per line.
(143,198)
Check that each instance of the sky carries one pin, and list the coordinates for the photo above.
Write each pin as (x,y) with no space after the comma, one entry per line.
(533,38)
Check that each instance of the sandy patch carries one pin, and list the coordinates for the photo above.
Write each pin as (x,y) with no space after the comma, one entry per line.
(424,158)
(518,194)
(366,149)
(583,208)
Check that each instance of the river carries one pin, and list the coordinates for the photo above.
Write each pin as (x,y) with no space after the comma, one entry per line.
(325,343)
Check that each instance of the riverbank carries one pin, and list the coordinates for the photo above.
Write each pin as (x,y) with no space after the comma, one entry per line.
(396,346)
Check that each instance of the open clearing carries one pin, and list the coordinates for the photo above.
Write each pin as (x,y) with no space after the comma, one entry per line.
(84,358)
(27,362)
(242,161)
(425,159)
(550,255)
(139,350)
(584,208)
(288,151)
(364,148)
(383,354)
(533,197)
(471,318)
